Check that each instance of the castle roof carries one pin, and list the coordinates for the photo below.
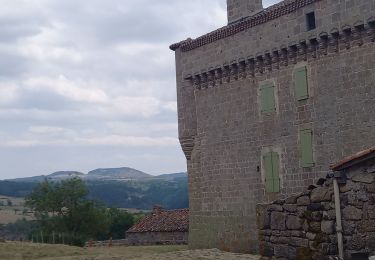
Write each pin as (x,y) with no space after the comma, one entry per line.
(163,221)
(273,12)
(354,159)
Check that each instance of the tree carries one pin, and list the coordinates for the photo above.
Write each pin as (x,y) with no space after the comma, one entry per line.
(62,207)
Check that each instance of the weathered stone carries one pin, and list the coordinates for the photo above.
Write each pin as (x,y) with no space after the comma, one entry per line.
(321,194)
(365,226)
(313,216)
(351,213)
(356,242)
(371,187)
(348,227)
(288,252)
(303,201)
(263,217)
(290,208)
(297,242)
(315,207)
(314,226)
(371,212)
(363,178)
(279,240)
(310,236)
(327,227)
(297,233)
(275,207)
(293,222)
(329,215)
(266,249)
(291,199)
(278,221)
(304,253)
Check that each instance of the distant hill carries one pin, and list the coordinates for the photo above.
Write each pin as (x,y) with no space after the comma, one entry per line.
(115,187)
(123,173)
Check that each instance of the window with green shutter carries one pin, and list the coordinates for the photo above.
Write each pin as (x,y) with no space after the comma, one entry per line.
(307,158)
(271,162)
(301,83)
(267,98)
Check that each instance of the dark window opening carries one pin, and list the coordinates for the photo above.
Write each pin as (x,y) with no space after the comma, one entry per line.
(310,19)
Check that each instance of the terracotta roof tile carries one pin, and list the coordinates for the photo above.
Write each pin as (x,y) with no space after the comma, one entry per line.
(163,221)
(273,12)
(353,159)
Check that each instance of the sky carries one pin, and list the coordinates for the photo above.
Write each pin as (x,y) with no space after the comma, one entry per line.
(88,84)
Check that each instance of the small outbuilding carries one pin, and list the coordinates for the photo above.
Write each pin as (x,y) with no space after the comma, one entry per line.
(161,227)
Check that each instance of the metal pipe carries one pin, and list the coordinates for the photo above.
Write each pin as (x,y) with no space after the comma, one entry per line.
(340,243)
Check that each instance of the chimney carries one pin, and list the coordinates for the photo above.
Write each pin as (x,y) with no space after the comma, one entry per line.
(238,9)
(158,209)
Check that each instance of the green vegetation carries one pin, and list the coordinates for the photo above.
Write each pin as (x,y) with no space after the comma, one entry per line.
(65,214)
(139,194)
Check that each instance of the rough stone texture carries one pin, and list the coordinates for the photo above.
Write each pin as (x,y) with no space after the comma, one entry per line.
(224,134)
(277,221)
(312,234)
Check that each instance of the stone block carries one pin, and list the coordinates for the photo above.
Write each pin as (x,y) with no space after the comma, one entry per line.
(371,187)
(351,213)
(284,251)
(303,201)
(310,236)
(363,177)
(291,199)
(348,227)
(275,207)
(321,194)
(278,221)
(315,207)
(290,208)
(298,242)
(279,240)
(293,222)
(371,212)
(327,227)
(356,242)
(266,249)
(263,218)
(315,226)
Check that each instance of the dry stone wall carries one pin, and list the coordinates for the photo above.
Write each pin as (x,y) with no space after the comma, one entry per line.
(304,226)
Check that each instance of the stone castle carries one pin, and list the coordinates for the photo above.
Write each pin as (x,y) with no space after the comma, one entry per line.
(267,103)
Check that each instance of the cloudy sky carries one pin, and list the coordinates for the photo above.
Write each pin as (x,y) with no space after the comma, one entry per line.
(90,83)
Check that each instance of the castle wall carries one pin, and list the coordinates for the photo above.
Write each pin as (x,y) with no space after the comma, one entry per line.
(224,134)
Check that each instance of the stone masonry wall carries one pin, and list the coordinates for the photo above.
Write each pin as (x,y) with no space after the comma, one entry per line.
(304,226)
(224,134)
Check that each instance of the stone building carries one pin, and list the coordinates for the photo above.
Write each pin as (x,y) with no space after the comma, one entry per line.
(266,103)
(306,226)
(160,227)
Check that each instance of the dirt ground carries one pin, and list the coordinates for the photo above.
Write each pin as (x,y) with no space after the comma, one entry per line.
(21,251)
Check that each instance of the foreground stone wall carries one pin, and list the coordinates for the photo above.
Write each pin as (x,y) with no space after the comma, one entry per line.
(157,238)
(304,226)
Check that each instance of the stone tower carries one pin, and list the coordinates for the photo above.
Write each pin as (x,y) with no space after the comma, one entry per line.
(238,9)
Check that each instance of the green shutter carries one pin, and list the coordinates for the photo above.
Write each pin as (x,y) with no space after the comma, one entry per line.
(301,84)
(272,168)
(267,160)
(267,97)
(276,172)
(307,159)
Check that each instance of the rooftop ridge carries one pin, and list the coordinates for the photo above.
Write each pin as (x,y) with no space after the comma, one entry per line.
(268,14)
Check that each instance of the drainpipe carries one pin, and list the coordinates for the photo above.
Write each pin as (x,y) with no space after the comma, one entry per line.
(340,243)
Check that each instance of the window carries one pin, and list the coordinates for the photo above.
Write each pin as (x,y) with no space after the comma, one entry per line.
(267,99)
(271,162)
(301,83)
(307,159)
(310,20)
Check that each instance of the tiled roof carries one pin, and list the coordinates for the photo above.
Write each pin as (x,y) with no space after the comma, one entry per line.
(163,221)
(354,159)
(283,8)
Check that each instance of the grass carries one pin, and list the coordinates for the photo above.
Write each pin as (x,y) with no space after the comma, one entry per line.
(21,251)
